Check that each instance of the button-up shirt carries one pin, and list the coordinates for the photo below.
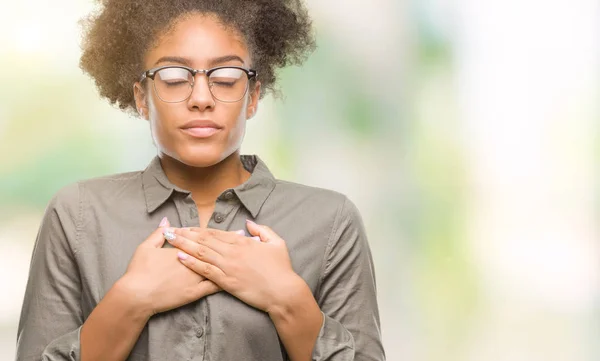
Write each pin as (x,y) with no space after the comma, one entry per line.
(91,229)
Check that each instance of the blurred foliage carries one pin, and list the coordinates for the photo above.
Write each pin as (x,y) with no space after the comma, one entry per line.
(49,140)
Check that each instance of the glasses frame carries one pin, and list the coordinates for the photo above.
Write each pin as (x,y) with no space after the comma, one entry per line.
(151,73)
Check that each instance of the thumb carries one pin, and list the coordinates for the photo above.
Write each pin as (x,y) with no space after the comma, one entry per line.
(206,288)
(157,239)
(202,289)
(265,233)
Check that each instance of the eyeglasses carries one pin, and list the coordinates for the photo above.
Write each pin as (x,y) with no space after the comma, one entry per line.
(174,83)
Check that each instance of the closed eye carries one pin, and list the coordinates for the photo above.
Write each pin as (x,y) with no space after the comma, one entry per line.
(224,84)
(173,83)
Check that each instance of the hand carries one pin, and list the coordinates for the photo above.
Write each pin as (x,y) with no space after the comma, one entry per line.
(157,280)
(256,270)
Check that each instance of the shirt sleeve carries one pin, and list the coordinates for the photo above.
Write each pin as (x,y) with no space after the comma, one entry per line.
(347,295)
(51,315)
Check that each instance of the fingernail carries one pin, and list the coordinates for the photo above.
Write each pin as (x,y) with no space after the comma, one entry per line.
(249,221)
(169,234)
(256,238)
(182,256)
(241,232)
(163,222)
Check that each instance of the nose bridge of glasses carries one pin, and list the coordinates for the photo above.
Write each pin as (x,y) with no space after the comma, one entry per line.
(204,80)
(199,71)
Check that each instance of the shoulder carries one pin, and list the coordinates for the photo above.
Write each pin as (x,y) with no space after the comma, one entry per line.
(70,196)
(108,183)
(320,199)
(303,190)
(292,191)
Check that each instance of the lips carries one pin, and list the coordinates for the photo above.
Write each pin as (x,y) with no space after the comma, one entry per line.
(201,128)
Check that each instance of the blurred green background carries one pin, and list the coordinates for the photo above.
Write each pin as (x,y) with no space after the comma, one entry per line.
(465,131)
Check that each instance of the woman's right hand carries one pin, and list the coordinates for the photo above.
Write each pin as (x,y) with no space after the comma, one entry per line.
(157,280)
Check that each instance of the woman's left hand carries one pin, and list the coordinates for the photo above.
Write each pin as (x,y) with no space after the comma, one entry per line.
(257,270)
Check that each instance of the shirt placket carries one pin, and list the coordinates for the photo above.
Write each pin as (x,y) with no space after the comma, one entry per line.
(222,217)
(197,318)
(224,212)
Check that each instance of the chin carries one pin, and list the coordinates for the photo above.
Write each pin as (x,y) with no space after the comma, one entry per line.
(201,157)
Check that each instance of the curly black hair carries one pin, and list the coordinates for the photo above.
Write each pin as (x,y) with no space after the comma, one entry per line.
(278,33)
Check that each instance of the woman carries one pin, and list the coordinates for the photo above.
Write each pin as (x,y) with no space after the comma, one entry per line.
(254,268)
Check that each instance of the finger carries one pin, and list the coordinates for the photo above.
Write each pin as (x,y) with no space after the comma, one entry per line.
(205,269)
(210,231)
(226,236)
(197,250)
(157,239)
(200,290)
(208,287)
(208,239)
(265,233)
(164,222)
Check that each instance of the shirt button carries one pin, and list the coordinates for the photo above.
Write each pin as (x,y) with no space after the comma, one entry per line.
(219,218)
(199,332)
(228,195)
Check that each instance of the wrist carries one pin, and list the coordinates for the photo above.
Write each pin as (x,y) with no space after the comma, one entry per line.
(298,320)
(131,297)
(291,300)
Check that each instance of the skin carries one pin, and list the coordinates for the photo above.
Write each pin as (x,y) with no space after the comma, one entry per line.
(204,261)
(258,271)
(203,166)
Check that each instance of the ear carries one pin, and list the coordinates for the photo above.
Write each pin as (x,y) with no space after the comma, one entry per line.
(253,103)
(141,103)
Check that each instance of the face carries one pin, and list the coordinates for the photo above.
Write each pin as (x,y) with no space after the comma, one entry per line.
(200,131)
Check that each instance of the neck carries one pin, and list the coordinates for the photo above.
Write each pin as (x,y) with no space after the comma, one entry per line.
(205,183)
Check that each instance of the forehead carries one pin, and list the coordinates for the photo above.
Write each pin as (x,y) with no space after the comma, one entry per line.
(199,38)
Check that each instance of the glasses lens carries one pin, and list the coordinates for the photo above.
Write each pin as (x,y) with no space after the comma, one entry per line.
(228,84)
(173,84)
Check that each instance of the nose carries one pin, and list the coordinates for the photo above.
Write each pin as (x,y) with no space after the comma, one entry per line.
(201,97)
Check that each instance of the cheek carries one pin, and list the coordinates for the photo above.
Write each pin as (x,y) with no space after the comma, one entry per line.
(239,118)
(158,119)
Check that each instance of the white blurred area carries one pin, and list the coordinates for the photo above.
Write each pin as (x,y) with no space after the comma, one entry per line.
(529,88)
(519,99)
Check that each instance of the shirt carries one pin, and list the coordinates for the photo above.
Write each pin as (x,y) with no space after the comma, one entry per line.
(91,229)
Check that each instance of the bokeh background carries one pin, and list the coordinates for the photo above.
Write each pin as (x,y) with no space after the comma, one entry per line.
(466,132)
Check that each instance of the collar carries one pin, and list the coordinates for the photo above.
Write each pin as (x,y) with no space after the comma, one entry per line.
(252,194)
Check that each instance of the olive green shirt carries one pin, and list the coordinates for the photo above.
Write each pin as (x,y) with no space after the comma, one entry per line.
(91,229)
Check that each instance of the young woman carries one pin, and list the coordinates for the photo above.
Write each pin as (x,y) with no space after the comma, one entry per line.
(204,255)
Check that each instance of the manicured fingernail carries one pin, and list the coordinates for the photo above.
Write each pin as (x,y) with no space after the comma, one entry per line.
(182,256)
(169,234)
(249,221)
(163,222)
(256,238)
(241,232)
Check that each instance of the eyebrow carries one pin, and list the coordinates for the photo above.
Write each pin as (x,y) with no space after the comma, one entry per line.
(187,62)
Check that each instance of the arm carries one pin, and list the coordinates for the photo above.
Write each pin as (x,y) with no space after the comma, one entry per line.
(347,294)
(51,316)
(113,327)
(51,313)
(297,320)
(52,325)
(154,282)
(344,324)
